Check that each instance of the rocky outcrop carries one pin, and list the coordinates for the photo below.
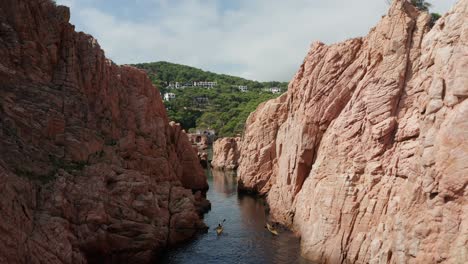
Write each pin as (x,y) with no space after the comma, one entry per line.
(203,158)
(90,168)
(226,153)
(258,161)
(201,140)
(365,155)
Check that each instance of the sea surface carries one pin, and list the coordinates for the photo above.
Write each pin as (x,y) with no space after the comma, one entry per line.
(245,239)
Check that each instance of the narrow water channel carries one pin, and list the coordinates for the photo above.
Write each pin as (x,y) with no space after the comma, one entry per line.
(245,239)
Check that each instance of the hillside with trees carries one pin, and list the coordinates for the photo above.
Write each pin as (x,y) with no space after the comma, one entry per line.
(223,107)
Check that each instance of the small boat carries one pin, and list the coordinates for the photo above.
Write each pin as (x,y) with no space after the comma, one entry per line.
(271,229)
(220,228)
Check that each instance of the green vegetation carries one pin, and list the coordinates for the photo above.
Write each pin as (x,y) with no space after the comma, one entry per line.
(424,6)
(227,112)
(68,166)
(421,5)
(44,179)
(57,163)
(223,108)
(434,18)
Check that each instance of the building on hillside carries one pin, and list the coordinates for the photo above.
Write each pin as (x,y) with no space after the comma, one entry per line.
(169,96)
(205,84)
(200,100)
(175,85)
(202,137)
(243,88)
(207,132)
(274,90)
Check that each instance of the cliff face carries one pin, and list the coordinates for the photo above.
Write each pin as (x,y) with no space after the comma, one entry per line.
(365,155)
(226,153)
(90,168)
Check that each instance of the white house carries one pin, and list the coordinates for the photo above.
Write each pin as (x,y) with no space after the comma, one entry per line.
(243,88)
(176,85)
(205,84)
(169,96)
(274,90)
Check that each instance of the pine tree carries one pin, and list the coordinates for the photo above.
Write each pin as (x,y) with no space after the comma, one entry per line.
(421,4)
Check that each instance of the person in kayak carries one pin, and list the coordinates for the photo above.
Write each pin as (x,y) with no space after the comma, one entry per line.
(219,229)
(271,229)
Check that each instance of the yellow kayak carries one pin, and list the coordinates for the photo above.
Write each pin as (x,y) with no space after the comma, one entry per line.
(219,230)
(271,229)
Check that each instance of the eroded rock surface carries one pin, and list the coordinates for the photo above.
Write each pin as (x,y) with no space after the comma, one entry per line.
(90,168)
(226,153)
(365,155)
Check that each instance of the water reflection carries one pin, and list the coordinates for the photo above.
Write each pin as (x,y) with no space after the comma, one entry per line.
(252,210)
(224,182)
(245,239)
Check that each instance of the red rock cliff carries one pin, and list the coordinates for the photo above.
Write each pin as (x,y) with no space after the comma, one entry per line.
(90,168)
(365,155)
(226,153)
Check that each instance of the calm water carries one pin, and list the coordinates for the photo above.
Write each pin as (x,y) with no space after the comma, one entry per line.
(244,240)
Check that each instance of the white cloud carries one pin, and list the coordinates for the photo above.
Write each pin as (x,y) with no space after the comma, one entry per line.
(257,39)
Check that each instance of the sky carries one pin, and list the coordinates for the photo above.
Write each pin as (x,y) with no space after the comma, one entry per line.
(261,40)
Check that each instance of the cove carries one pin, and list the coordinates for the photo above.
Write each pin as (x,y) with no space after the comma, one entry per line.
(245,239)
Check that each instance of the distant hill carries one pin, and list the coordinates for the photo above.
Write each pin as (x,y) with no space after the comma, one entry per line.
(163,72)
(223,108)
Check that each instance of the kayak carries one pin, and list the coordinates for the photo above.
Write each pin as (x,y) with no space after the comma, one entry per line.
(219,230)
(271,229)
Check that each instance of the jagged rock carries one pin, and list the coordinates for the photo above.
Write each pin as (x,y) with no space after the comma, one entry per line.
(365,155)
(88,158)
(203,158)
(258,159)
(226,153)
(201,141)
